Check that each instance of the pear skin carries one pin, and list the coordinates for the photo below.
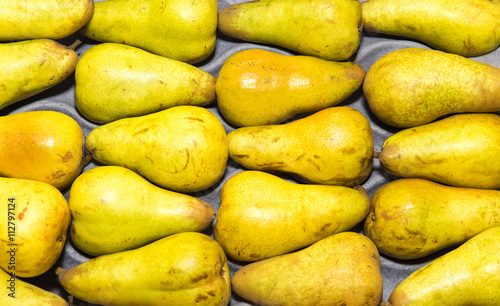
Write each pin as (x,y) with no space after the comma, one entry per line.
(333,146)
(115,81)
(412,218)
(258,87)
(342,269)
(38,19)
(460,150)
(183,148)
(256,204)
(328,29)
(16,292)
(36,221)
(130,210)
(414,86)
(177,29)
(39,65)
(183,269)
(467,275)
(469,27)
(47,146)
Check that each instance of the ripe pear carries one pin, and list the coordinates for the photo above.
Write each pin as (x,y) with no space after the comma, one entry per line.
(290,216)
(177,29)
(461,150)
(183,148)
(333,146)
(414,86)
(464,27)
(16,292)
(183,269)
(35,19)
(29,67)
(467,275)
(328,29)
(131,211)
(412,218)
(45,146)
(115,81)
(258,87)
(35,225)
(342,269)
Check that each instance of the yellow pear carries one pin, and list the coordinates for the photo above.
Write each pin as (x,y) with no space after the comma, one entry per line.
(462,150)
(52,19)
(183,148)
(115,81)
(36,219)
(183,269)
(258,87)
(29,67)
(45,146)
(290,216)
(16,292)
(130,211)
(177,29)
(467,275)
(412,218)
(342,269)
(328,29)
(414,86)
(465,27)
(333,146)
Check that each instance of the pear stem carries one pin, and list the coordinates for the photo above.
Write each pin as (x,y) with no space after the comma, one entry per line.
(60,271)
(74,45)
(376,154)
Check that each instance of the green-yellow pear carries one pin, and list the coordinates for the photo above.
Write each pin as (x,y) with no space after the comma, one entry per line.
(16,292)
(115,209)
(333,146)
(290,216)
(467,275)
(177,29)
(29,67)
(465,27)
(183,148)
(34,19)
(183,269)
(411,218)
(413,86)
(462,150)
(45,146)
(258,87)
(35,222)
(115,81)
(328,29)
(342,269)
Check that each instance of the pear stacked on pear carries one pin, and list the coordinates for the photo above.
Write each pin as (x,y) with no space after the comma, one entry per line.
(50,149)
(113,82)
(182,148)
(42,19)
(259,87)
(40,64)
(411,218)
(414,86)
(187,268)
(177,29)
(468,27)
(333,146)
(467,275)
(328,29)
(35,223)
(256,204)
(130,210)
